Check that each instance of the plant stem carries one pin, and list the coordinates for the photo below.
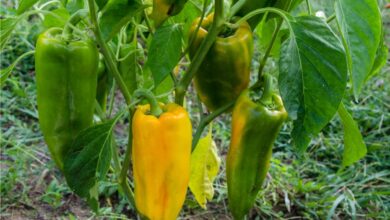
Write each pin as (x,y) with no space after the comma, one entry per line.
(206,120)
(155,108)
(127,160)
(201,52)
(266,55)
(308,7)
(236,7)
(73,20)
(107,53)
(331,18)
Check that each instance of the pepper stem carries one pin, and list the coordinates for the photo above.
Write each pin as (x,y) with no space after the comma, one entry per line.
(266,97)
(155,108)
(73,20)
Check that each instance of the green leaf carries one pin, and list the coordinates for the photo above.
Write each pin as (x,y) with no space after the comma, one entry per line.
(57,18)
(360,24)
(88,160)
(354,146)
(4,73)
(205,164)
(25,5)
(312,76)
(380,58)
(164,52)
(265,31)
(116,14)
(7,25)
(129,67)
(101,3)
(74,5)
(186,17)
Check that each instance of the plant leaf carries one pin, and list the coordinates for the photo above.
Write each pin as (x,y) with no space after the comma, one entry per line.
(360,24)
(7,25)
(205,164)
(116,14)
(4,73)
(24,5)
(354,146)
(380,57)
(57,18)
(88,160)
(164,51)
(312,76)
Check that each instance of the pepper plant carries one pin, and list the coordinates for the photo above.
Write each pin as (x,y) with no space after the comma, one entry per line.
(151,52)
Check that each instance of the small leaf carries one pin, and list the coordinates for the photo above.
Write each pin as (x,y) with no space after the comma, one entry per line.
(57,18)
(360,24)
(205,164)
(7,25)
(354,146)
(24,5)
(164,51)
(116,14)
(74,5)
(88,160)
(4,73)
(312,76)
(380,58)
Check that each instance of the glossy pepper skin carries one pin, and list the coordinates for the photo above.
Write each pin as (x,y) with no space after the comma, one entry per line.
(224,72)
(66,77)
(254,130)
(161,161)
(163,9)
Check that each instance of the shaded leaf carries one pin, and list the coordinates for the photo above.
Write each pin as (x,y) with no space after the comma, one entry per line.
(164,52)
(7,25)
(57,18)
(312,77)
(380,57)
(4,73)
(24,5)
(88,160)
(354,146)
(116,14)
(360,24)
(205,164)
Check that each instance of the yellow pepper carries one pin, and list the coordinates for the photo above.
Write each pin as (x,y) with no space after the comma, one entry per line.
(161,160)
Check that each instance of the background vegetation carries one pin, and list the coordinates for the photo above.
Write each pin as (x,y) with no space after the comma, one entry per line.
(308,186)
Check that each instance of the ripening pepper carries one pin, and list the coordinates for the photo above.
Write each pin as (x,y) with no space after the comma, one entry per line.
(161,161)
(224,72)
(254,130)
(163,9)
(66,77)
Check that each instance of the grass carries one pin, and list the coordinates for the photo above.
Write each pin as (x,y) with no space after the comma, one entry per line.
(308,186)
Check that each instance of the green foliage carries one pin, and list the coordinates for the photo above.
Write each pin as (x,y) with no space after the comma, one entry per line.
(312,76)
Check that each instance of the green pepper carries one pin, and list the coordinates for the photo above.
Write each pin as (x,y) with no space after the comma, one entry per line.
(66,77)
(224,72)
(254,130)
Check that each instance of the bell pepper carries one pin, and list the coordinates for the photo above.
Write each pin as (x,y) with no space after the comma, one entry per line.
(161,161)
(224,72)
(66,77)
(254,130)
(163,9)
